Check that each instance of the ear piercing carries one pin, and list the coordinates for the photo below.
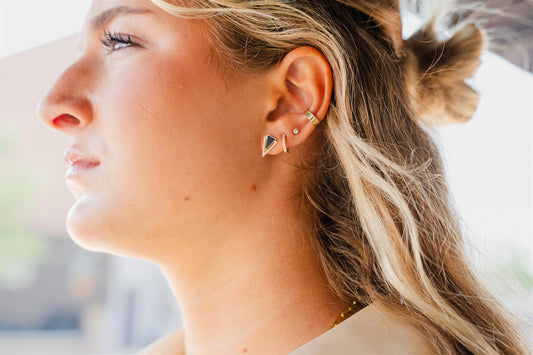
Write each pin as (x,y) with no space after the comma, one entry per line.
(312,117)
(270,142)
(283,139)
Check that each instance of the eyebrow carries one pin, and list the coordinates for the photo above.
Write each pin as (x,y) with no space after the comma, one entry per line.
(108,15)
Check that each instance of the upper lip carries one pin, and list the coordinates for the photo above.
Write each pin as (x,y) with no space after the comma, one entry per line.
(73,157)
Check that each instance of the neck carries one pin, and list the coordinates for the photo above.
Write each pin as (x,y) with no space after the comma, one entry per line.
(245,287)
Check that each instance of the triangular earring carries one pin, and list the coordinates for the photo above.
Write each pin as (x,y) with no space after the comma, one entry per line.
(269,142)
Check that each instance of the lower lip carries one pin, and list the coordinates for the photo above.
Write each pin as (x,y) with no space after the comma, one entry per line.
(80,168)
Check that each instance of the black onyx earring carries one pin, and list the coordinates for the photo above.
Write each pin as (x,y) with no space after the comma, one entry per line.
(269,142)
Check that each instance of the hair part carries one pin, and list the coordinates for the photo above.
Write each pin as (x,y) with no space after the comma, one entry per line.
(385,226)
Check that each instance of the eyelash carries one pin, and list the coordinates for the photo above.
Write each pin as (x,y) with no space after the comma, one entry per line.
(109,40)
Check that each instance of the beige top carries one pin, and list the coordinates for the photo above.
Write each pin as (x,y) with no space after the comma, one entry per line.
(369,331)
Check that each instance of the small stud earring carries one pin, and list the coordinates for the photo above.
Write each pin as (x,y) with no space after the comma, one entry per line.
(295,131)
(284,140)
(268,143)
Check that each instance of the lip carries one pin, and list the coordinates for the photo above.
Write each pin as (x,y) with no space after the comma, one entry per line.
(79,163)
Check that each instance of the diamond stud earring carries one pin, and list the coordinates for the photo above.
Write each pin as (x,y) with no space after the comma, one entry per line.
(295,131)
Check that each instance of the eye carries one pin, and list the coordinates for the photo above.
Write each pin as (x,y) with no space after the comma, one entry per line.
(115,41)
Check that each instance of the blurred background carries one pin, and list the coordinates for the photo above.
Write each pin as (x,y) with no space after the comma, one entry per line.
(57,298)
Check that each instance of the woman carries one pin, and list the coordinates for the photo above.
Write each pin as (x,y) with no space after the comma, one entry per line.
(271,157)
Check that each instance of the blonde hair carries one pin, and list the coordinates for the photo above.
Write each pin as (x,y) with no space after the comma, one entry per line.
(385,227)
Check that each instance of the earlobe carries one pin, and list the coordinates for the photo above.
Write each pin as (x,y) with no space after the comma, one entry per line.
(270,141)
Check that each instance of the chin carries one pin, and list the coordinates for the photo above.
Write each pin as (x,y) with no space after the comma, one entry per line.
(90,226)
(96,228)
(84,227)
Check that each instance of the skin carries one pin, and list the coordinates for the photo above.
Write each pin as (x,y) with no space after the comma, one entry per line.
(182,183)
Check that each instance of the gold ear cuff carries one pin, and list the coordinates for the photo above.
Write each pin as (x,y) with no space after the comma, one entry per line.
(312,117)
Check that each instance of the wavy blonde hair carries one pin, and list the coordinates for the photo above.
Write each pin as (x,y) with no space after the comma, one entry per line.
(385,227)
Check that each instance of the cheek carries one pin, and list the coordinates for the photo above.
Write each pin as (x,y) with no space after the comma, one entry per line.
(173,138)
(165,117)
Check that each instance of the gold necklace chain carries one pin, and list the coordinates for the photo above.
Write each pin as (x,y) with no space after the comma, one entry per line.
(347,313)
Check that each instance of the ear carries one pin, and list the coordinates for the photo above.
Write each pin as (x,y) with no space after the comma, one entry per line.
(301,81)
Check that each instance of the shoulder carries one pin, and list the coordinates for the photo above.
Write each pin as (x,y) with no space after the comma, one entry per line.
(170,344)
(372,330)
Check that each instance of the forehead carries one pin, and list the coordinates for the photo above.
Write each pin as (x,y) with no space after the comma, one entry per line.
(102,12)
(98,6)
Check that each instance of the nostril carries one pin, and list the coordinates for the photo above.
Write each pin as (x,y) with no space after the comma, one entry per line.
(65,120)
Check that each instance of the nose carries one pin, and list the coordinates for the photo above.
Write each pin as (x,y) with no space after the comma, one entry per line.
(66,107)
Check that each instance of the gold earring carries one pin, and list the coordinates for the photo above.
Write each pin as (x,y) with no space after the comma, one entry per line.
(284,140)
(268,143)
(312,117)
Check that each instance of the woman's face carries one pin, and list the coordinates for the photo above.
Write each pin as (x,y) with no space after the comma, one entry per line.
(177,143)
